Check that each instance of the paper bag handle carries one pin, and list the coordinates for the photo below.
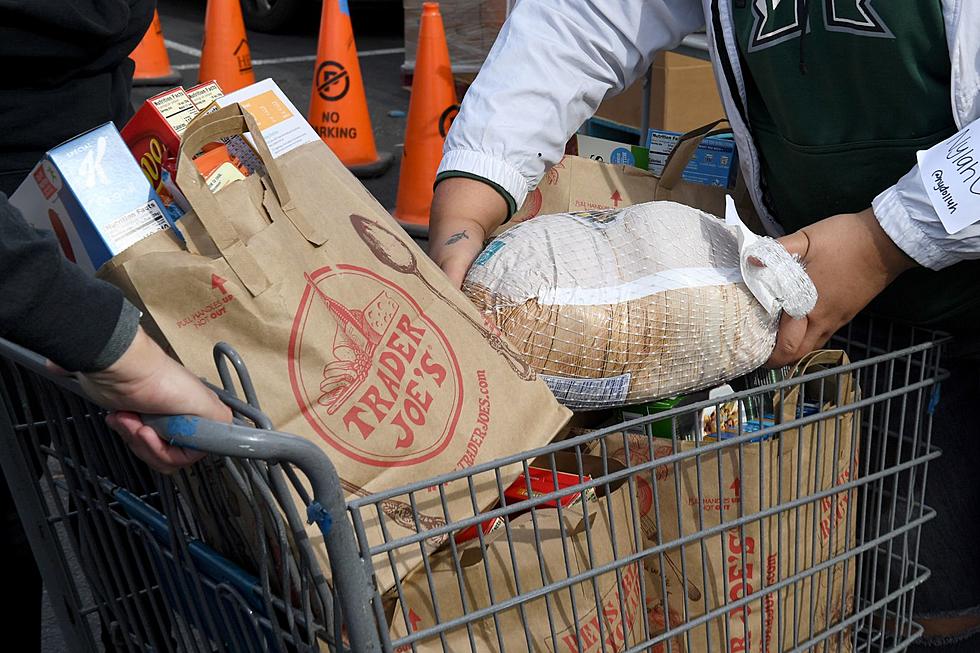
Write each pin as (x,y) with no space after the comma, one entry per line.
(232,120)
(826,357)
(682,153)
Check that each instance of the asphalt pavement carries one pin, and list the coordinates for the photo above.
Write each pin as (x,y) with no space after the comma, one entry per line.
(289,59)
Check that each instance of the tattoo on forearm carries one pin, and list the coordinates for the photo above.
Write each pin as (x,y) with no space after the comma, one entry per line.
(455,238)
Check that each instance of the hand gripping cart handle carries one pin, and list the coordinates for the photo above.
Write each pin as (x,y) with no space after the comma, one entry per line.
(326,508)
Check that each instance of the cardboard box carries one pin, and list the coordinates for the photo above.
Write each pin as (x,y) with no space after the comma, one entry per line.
(204,94)
(471,28)
(153,136)
(715,161)
(283,126)
(605,151)
(683,96)
(578,184)
(93,196)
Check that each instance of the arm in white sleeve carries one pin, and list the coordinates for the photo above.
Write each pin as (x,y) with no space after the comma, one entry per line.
(910,220)
(552,64)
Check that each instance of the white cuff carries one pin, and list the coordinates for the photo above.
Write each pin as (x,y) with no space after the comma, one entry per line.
(897,222)
(488,167)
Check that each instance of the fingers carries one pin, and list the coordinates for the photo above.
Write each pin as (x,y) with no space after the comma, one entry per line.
(790,341)
(796,243)
(150,447)
(162,456)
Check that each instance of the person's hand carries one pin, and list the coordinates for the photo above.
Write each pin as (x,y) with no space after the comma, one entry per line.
(146,380)
(850,260)
(464,211)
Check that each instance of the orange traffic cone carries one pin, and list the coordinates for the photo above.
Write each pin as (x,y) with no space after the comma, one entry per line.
(225,56)
(338,106)
(152,61)
(431,110)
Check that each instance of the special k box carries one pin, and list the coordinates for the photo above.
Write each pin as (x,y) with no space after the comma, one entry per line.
(355,340)
(93,196)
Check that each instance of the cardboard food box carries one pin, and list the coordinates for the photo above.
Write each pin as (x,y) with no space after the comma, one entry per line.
(204,94)
(683,96)
(93,196)
(283,126)
(606,151)
(153,136)
(715,161)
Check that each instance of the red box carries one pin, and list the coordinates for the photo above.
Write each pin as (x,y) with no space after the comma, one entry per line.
(542,481)
(153,136)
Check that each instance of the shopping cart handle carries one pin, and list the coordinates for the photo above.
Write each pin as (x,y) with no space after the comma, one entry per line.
(240,441)
(327,508)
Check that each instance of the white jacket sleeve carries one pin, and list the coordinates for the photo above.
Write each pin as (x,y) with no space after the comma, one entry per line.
(552,64)
(910,220)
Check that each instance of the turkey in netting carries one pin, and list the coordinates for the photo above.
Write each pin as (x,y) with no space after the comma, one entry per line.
(622,306)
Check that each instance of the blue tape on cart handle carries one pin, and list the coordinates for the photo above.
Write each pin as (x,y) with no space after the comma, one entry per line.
(181,426)
(317,514)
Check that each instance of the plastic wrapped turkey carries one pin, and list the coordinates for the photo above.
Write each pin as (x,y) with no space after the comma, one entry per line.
(626,305)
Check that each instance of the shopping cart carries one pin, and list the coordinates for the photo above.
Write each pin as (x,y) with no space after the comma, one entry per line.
(130,558)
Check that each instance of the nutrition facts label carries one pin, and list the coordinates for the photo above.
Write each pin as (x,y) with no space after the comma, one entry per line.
(203,95)
(176,108)
(134,226)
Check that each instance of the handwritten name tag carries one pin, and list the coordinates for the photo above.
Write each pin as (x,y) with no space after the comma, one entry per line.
(950,172)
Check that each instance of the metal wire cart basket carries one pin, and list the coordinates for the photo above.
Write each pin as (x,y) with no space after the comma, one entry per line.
(783,516)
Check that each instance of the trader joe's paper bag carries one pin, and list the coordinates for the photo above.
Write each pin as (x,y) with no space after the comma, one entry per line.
(354,339)
(607,611)
(679,499)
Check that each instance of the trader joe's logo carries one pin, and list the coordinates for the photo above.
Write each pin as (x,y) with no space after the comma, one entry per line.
(375,377)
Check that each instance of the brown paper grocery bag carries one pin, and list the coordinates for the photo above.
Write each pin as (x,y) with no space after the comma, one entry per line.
(354,339)
(676,501)
(607,613)
(579,184)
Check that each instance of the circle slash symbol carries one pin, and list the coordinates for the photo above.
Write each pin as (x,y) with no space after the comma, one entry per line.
(332,81)
(446,119)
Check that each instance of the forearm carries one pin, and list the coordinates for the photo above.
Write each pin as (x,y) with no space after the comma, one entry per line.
(52,307)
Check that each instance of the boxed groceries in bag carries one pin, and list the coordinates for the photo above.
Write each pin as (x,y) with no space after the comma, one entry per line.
(735,485)
(93,196)
(621,306)
(535,552)
(355,340)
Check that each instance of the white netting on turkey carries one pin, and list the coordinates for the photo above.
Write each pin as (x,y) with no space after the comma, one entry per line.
(622,306)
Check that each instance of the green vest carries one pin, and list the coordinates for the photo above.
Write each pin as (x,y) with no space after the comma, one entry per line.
(841,94)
